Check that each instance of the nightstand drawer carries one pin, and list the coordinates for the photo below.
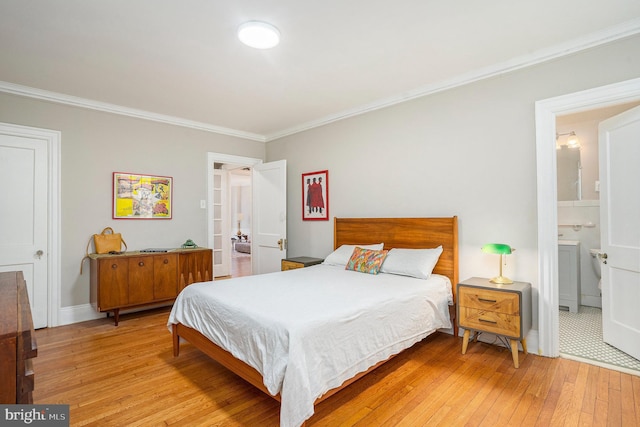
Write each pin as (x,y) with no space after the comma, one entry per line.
(486,299)
(288,265)
(490,321)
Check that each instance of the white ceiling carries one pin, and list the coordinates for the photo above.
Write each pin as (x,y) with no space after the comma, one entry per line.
(182,59)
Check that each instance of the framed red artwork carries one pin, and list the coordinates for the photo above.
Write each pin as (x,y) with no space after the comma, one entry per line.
(315,196)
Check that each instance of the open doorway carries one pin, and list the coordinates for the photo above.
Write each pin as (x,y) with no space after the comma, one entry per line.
(579,226)
(546,113)
(229,212)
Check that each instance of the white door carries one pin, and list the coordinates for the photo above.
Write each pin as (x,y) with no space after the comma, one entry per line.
(23,215)
(619,139)
(269,227)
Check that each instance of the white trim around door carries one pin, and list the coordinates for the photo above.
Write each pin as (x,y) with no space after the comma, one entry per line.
(546,112)
(213,158)
(53,140)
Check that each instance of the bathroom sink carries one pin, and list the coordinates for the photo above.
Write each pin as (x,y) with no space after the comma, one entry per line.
(568,242)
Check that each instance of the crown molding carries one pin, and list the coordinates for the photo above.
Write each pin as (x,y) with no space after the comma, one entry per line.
(609,35)
(75,101)
(618,32)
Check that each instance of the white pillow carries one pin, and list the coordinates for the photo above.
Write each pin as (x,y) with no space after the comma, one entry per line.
(342,255)
(411,262)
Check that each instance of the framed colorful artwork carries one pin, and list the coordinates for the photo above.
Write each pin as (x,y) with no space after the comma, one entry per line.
(141,196)
(315,196)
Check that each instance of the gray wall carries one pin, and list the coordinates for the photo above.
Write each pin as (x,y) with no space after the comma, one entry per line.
(469,151)
(96,144)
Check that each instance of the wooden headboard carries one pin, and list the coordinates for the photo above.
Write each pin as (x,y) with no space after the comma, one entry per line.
(409,233)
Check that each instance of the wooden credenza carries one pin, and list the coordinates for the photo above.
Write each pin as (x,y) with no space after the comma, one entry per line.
(135,279)
(17,340)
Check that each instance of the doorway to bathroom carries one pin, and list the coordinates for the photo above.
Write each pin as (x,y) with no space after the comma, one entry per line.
(578,213)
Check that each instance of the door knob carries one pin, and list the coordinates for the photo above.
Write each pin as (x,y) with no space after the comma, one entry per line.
(39,253)
(603,257)
(280,244)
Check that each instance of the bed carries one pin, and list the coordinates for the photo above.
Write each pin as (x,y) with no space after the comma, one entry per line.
(288,335)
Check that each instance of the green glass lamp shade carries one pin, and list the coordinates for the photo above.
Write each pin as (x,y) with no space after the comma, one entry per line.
(499,249)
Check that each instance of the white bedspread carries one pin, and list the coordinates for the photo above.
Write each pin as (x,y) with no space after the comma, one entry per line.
(310,329)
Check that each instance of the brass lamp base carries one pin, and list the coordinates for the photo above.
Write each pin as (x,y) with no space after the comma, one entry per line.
(502,280)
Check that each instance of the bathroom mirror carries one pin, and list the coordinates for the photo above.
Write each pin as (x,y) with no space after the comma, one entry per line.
(569,174)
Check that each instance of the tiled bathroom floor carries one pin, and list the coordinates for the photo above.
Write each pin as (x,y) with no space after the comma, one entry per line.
(581,336)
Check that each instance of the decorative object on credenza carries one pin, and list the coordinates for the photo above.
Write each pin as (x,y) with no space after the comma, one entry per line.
(499,249)
(138,196)
(315,196)
(189,244)
(107,242)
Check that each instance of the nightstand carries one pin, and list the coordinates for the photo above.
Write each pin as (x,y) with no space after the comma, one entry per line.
(504,310)
(299,262)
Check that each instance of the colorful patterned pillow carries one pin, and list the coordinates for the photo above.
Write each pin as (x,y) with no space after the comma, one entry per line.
(366,260)
(340,256)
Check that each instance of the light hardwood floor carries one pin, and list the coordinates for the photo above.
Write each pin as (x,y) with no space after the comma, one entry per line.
(240,264)
(127,376)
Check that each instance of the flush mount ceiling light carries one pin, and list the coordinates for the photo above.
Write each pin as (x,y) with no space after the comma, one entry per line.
(259,35)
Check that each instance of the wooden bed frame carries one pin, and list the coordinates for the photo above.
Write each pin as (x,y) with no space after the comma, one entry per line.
(410,233)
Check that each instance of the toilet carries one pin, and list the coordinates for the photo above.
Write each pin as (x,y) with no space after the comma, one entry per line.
(595,263)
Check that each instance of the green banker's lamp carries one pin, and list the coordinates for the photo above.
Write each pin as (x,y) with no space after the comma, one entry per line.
(499,249)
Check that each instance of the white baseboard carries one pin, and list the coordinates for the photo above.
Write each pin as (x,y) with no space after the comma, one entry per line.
(77,313)
(591,301)
(84,312)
